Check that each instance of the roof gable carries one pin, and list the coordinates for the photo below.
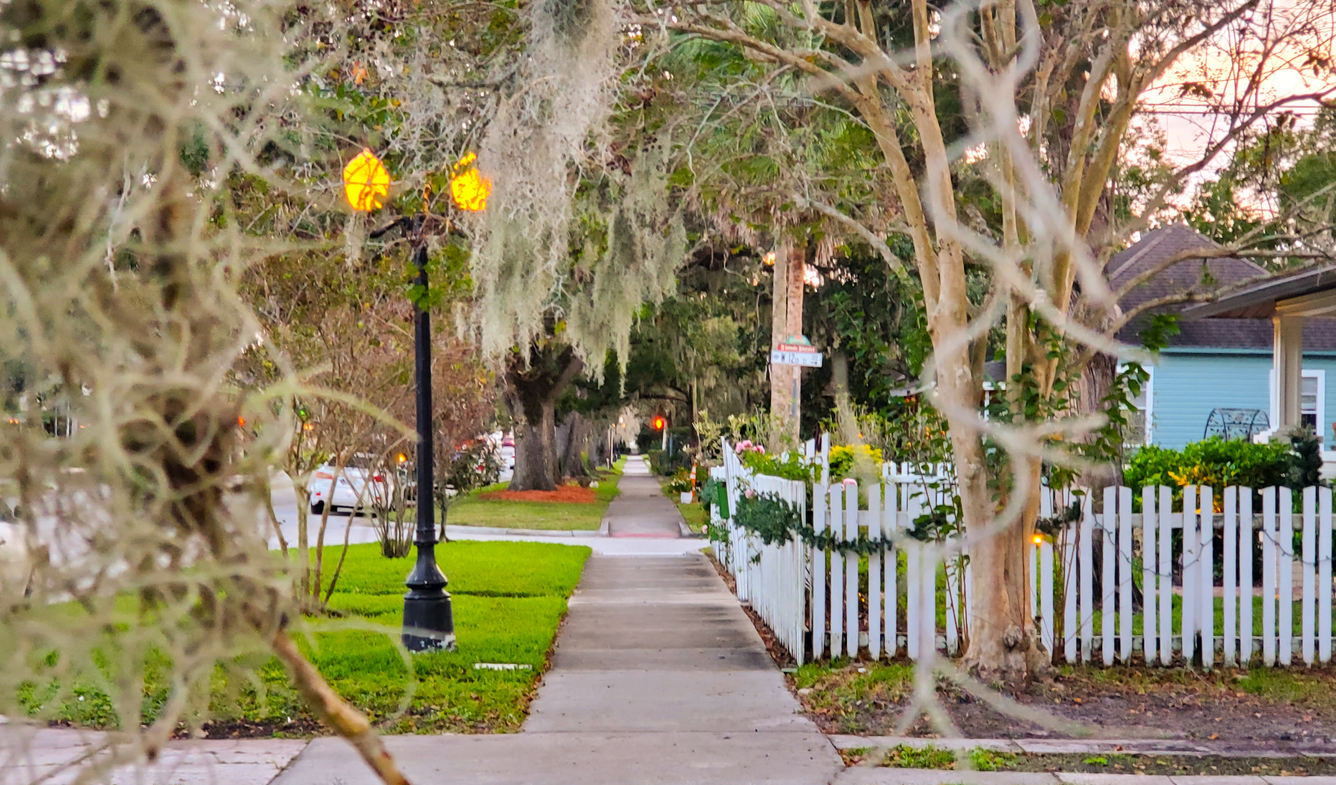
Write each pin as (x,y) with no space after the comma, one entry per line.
(1191,274)
(1196,274)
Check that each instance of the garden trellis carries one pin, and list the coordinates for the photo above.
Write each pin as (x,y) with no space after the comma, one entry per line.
(1153,575)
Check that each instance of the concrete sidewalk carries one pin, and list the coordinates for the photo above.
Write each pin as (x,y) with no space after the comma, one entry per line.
(658,677)
(59,756)
(641,509)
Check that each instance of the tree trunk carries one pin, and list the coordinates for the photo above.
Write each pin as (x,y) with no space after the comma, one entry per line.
(786,320)
(536,466)
(533,388)
(1004,645)
(574,446)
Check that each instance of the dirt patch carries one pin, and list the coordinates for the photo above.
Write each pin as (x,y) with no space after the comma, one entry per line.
(1222,707)
(297,727)
(905,757)
(566,493)
(1171,765)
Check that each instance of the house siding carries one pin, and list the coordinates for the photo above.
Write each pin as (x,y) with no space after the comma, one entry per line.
(1189,384)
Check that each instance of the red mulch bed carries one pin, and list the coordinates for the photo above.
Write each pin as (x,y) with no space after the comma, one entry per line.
(566,493)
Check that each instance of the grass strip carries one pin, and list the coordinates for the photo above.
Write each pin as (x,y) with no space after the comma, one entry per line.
(548,516)
(508,600)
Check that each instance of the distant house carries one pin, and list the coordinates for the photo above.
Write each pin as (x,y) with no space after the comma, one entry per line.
(1221,366)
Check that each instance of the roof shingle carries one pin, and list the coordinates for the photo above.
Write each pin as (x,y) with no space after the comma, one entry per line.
(1197,275)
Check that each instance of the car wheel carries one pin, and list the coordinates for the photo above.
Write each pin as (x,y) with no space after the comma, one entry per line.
(318,508)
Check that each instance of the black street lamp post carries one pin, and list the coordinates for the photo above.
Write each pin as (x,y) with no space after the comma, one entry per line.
(429,622)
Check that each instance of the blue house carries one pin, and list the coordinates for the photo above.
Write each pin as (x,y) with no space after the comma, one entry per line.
(1217,373)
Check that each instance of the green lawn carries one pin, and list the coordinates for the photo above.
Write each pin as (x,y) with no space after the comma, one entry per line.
(558,516)
(694,514)
(508,599)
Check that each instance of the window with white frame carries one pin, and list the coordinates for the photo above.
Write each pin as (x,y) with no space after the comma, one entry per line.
(1312,397)
(1138,429)
(1308,404)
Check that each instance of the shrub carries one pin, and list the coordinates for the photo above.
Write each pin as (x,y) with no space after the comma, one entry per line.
(665,464)
(842,459)
(1214,462)
(1305,460)
(1219,464)
(789,467)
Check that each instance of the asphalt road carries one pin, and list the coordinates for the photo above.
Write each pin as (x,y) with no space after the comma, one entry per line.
(285,509)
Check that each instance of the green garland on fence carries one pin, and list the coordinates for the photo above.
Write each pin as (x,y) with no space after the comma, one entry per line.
(777,522)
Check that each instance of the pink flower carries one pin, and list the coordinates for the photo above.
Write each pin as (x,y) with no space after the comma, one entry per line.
(760,449)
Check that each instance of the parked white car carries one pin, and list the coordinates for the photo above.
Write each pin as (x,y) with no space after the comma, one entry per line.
(346,491)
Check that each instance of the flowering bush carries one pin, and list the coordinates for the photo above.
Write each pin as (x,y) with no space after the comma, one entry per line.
(746,446)
(790,467)
(681,482)
(845,457)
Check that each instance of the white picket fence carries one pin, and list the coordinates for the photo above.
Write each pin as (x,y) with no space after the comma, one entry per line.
(829,603)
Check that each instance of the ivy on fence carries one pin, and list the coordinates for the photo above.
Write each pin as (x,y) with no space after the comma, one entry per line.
(777,522)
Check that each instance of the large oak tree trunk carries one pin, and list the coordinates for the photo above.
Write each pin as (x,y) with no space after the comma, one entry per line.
(536,467)
(576,446)
(533,388)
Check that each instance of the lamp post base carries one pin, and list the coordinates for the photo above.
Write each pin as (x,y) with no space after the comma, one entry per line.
(429,621)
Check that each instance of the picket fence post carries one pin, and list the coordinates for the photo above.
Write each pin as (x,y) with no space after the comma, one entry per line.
(874,523)
(1166,568)
(1269,576)
(1324,575)
(1229,561)
(819,571)
(891,527)
(1246,544)
(1070,579)
(836,496)
(1307,565)
(851,568)
(1285,578)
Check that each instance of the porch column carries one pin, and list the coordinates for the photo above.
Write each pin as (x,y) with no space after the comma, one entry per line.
(1288,360)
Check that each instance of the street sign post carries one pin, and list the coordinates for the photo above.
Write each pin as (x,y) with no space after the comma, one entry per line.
(796,353)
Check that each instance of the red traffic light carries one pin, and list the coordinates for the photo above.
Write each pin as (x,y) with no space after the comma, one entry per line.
(659,422)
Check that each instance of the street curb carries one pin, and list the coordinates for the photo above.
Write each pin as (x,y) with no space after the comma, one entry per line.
(1282,749)
(492,530)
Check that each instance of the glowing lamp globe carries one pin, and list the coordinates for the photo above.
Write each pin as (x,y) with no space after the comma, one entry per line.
(659,422)
(366,182)
(468,188)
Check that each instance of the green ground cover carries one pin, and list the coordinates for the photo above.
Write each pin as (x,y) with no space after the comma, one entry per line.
(978,759)
(554,516)
(508,599)
(694,514)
